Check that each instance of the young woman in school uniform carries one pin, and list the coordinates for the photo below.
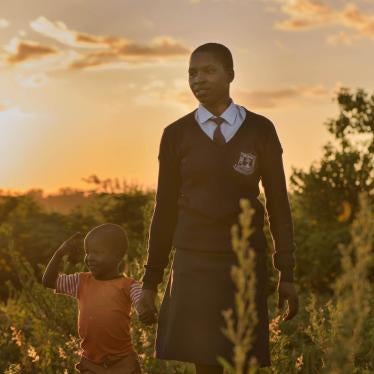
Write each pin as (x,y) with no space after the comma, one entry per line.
(209,160)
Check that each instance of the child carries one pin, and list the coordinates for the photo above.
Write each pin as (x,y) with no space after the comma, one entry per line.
(104,297)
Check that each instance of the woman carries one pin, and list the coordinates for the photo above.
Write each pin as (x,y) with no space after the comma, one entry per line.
(209,160)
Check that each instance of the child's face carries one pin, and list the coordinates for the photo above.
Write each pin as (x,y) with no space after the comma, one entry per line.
(100,260)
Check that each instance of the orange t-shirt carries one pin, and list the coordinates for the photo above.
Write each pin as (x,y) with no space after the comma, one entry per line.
(104,313)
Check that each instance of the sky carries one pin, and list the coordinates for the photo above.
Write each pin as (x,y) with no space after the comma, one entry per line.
(87,86)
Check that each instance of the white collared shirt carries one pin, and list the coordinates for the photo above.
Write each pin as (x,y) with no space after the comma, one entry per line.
(233,116)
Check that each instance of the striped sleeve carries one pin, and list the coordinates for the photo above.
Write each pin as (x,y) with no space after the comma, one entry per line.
(135,292)
(67,284)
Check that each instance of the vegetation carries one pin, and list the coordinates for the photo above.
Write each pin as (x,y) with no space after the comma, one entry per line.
(240,323)
(333,211)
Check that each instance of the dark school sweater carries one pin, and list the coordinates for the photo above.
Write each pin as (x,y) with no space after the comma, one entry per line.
(199,187)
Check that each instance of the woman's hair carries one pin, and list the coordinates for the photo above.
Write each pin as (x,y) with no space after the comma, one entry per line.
(220,52)
(114,237)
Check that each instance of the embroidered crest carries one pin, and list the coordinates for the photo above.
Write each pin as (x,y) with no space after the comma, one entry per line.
(246,163)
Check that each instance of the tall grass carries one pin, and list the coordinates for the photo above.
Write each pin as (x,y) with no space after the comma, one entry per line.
(240,323)
(38,332)
(331,334)
(337,328)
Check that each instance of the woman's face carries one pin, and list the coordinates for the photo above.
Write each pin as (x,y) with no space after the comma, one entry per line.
(208,78)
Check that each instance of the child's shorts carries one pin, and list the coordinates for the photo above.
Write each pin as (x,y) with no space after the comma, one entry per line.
(125,365)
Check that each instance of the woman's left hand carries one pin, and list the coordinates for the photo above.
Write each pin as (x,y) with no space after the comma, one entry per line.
(287,291)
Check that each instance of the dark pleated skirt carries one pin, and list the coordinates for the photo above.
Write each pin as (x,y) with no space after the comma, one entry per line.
(190,321)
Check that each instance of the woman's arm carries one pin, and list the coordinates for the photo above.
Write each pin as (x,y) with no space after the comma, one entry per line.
(51,272)
(277,205)
(165,213)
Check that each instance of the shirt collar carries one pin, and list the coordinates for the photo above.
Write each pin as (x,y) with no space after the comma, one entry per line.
(229,115)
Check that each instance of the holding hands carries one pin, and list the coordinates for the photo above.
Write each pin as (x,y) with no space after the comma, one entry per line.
(147,307)
(287,292)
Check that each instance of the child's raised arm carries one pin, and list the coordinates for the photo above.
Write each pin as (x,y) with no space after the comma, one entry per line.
(51,271)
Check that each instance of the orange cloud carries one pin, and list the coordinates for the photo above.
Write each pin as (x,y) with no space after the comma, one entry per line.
(108,50)
(353,18)
(159,48)
(304,14)
(271,98)
(24,50)
(341,38)
(296,24)
(158,93)
(59,32)
(105,51)
(309,14)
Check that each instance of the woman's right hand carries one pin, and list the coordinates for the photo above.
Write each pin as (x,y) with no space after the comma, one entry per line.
(74,243)
(147,307)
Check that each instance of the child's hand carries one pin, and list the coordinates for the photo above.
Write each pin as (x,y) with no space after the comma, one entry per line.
(74,243)
(147,307)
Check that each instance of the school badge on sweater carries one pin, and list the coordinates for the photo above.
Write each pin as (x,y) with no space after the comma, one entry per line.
(246,163)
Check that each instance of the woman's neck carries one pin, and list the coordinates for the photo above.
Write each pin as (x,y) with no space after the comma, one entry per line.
(218,108)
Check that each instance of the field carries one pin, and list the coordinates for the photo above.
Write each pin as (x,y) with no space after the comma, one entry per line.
(333,211)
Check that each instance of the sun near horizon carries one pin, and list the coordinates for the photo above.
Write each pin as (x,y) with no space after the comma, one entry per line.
(88,88)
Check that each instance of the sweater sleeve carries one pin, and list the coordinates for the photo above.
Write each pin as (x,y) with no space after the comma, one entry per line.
(277,205)
(165,213)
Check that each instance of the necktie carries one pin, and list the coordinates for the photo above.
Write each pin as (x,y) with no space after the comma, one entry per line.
(218,137)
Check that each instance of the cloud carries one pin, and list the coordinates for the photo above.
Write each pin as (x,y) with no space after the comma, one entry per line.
(36,58)
(162,46)
(341,38)
(59,32)
(353,18)
(165,94)
(304,14)
(109,51)
(96,52)
(24,50)
(158,49)
(159,93)
(4,23)
(10,114)
(32,81)
(310,14)
(272,98)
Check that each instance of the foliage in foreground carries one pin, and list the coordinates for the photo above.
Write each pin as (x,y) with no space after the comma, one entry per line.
(334,330)
(334,335)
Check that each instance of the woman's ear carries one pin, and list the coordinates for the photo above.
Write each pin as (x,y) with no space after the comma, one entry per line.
(231,75)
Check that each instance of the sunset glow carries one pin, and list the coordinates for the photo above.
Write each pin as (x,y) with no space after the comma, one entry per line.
(87,87)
